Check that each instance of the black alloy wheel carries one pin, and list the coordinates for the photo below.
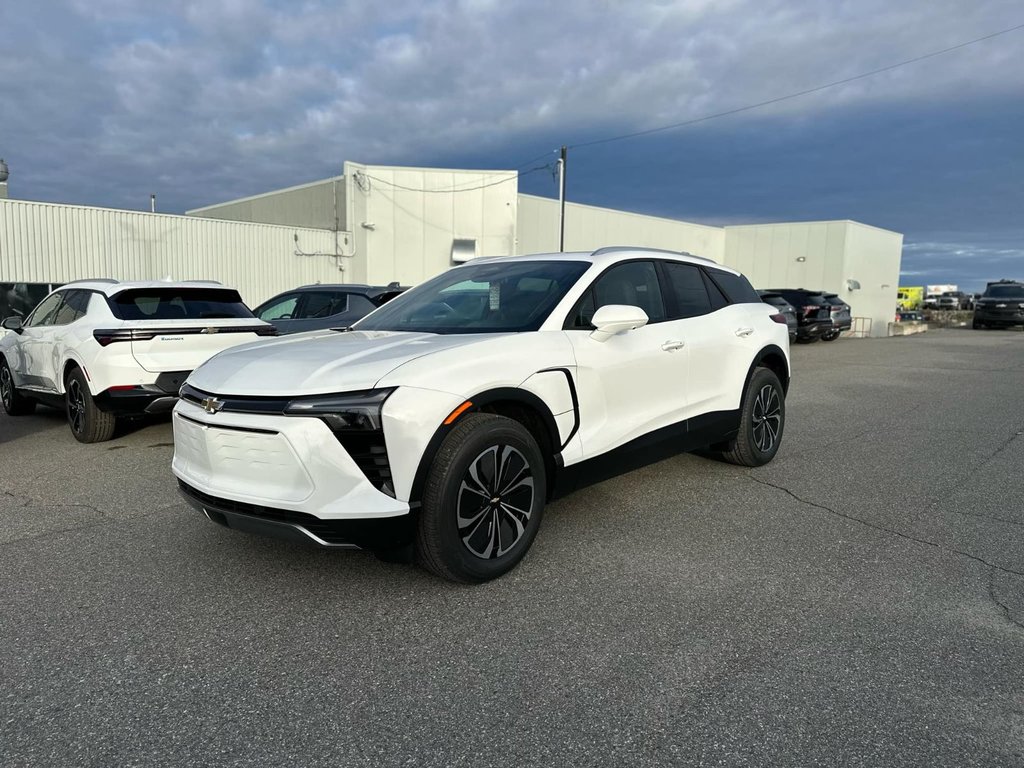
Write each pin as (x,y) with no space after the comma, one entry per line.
(88,423)
(13,402)
(483,499)
(766,418)
(495,501)
(762,421)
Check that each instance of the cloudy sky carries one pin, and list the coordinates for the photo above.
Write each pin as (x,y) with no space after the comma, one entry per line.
(105,101)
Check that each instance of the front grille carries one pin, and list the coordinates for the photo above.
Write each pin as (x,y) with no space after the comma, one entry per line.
(370,454)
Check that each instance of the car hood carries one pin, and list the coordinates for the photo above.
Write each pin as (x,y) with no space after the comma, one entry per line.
(318,362)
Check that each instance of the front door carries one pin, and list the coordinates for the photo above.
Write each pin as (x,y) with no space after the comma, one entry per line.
(634,382)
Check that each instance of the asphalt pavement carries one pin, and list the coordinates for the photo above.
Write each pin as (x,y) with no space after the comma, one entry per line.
(859,601)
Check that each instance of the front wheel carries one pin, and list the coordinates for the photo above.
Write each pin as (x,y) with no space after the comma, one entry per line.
(15,404)
(88,423)
(762,420)
(483,500)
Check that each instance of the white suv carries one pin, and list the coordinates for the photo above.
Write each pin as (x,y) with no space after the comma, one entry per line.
(102,349)
(444,420)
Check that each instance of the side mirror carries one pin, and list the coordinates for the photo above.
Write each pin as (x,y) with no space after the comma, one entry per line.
(616,318)
(13,324)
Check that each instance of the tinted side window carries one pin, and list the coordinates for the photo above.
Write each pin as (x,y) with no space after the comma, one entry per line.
(736,287)
(322,304)
(718,299)
(43,314)
(634,284)
(359,303)
(688,286)
(73,308)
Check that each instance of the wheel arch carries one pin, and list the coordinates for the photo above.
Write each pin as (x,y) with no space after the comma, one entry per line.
(774,359)
(511,402)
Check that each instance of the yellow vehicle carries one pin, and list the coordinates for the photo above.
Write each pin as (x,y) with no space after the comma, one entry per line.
(911,297)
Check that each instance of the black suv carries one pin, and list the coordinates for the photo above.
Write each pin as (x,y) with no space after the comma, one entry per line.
(1000,306)
(316,307)
(813,313)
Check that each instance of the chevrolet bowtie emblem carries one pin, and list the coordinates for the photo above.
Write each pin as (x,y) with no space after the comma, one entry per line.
(211,404)
(211,329)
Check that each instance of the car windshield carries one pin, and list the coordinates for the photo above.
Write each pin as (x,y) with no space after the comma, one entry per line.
(480,298)
(1005,291)
(178,304)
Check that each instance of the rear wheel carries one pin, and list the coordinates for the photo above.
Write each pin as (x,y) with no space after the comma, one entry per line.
(15,404)
(88,423)
(762,420)
(483,500)
(830,336)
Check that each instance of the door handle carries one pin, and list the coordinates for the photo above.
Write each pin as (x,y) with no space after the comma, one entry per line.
(672,346)
(744,332)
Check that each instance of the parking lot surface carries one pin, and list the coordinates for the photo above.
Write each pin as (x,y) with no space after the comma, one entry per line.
(860,601)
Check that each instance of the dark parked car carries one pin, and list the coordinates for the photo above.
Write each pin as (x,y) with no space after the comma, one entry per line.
(315,307)
(813,313)
(841,318)
(910,316)
(1000,306)
(786,309)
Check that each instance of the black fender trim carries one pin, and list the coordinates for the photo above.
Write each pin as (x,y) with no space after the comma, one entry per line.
(771,349)
(479,401)
(575,403)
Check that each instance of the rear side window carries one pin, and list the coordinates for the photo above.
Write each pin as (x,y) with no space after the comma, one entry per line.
(178,304)
(322,304)
(74,307)
(735,287)
(691,296)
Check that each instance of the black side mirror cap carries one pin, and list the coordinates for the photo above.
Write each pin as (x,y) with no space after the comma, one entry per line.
(13,324)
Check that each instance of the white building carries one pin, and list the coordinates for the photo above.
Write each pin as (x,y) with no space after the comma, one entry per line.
(376,224)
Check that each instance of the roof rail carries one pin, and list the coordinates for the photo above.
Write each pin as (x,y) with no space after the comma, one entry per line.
(204,282)
(620,248)
(108,280)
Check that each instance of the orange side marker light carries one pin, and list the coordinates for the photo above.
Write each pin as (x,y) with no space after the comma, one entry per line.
(458,412)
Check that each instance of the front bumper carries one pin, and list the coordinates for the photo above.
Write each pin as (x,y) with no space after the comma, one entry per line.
(273,462)
(999,316)
(373,533)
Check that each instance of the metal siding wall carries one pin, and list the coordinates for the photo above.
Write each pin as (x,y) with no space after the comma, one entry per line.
(413,228)
(833,252)
(47,243)
(310,206)
(588,228)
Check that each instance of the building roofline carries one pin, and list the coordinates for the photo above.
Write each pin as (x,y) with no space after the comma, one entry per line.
(813,221)
(261,195)
(629,213)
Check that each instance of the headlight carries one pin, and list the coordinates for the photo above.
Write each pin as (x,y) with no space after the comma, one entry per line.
(357,411)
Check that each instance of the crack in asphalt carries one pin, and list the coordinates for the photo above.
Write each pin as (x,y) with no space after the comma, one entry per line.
(884,529)
(992,567)
(992,594)
(104,520)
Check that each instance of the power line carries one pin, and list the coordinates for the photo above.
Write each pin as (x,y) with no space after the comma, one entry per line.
(776,100)
(453,190)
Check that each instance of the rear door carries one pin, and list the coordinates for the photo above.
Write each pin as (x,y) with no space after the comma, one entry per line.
(179,328)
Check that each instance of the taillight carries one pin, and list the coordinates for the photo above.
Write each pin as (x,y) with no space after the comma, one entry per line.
(106,337)
(810,307)
(779,318)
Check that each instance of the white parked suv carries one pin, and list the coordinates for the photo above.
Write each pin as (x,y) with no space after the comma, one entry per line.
(103,350)
(444,420)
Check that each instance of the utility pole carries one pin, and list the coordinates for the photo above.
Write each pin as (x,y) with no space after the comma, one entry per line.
(152,203)
(561,199)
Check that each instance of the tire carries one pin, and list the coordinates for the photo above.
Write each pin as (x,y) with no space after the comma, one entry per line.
(806,339)
(15,403)
(754,446)
(87,422)
(978,325)
(468,552)
(830,336)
